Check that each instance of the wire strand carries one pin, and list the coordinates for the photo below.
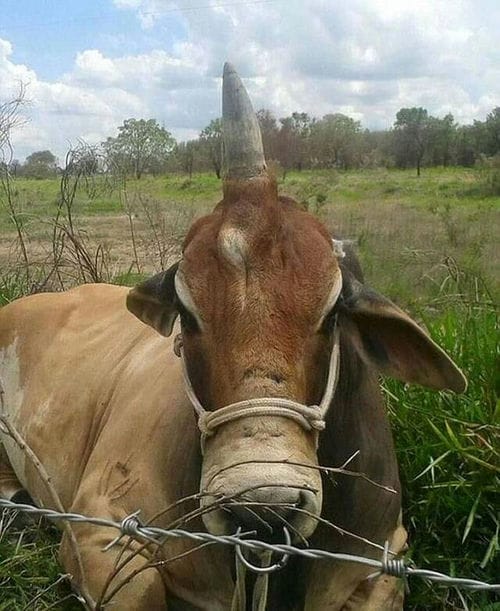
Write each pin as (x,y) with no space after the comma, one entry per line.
(131,526)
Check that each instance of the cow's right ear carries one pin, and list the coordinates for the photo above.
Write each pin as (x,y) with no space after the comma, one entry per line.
(394,342)
(154,301)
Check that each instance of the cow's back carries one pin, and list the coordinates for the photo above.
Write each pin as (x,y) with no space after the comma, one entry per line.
(77,368)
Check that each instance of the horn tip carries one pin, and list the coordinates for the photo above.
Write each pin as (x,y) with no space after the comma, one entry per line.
(229,69)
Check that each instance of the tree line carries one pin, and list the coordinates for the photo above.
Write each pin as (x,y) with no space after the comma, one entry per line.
(299,141)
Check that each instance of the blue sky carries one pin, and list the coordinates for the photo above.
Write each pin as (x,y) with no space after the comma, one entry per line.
(90,65)
(48,34)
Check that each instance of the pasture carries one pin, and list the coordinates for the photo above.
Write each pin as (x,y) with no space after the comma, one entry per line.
(428,243)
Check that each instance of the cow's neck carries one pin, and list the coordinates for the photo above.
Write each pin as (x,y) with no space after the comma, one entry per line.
(357,425)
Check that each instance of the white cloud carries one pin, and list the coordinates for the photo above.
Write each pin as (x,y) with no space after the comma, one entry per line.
(367,58)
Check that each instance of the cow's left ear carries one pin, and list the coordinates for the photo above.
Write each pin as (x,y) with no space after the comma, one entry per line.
(395,343)
(154,301)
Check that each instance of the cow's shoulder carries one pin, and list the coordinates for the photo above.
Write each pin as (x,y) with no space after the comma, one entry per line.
(45,310)
(47,316)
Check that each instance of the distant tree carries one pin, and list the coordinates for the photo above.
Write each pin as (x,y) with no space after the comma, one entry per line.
(376,149)
(293,140)
(185,153)
(465,150)
(14,167)
(492,132)
(411,137)
(270,133)
(336,141)
(40,164)
(140,146)
(441,140)
(211,141)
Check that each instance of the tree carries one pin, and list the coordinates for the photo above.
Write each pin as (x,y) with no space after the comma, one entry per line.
(411,136)
(335,141)
(211,140)
(40,164)
(441,139)
(293,140)
(270,133)
(465,152)
(185,155)
(492,132)
(14,166)
(140,146)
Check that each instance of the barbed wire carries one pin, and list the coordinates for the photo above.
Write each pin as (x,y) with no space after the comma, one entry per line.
(131,526)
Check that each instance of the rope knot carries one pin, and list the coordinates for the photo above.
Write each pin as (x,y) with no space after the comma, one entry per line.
(315,418)
(204,424)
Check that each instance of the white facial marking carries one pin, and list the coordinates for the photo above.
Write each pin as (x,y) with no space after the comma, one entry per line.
(10,379)
(184,295)
(233,245)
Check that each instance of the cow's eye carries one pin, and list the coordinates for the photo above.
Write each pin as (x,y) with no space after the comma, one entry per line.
(188,321)
(329,321)
(185,305)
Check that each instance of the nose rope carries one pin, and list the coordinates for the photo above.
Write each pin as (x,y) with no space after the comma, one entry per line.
(261,585)
(310,417)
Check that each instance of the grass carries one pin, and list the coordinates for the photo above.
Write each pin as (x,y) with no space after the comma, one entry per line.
(30,577)
(430,244)
(448,452)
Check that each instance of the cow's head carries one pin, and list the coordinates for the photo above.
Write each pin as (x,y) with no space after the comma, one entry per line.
(259,289)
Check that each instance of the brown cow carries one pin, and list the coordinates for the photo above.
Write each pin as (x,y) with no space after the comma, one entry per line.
(266,301)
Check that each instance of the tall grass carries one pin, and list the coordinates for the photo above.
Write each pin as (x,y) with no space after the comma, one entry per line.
(448,450)
(30,577)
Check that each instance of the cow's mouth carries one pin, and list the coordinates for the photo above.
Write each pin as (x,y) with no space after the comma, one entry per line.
(266,512)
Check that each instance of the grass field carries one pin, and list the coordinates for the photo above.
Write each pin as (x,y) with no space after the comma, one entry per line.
(430,244)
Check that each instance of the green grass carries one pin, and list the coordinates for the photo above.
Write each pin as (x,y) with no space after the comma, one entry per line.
(448,452)
(430,244)
(30,577)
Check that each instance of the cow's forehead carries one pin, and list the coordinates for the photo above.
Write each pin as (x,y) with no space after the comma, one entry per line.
(287,266)
(283,240)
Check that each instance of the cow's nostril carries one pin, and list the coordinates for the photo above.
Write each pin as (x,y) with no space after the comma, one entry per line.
(268,512)
(307,501)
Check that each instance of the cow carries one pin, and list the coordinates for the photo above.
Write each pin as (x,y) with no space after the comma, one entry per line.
(281,344)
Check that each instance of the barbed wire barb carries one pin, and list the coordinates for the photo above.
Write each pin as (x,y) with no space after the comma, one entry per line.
(396,567)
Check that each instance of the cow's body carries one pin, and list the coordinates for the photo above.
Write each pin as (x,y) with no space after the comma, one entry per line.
(99,397)
(265,302)
(118,447)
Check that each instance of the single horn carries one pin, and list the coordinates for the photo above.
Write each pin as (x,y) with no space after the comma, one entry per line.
(243,153)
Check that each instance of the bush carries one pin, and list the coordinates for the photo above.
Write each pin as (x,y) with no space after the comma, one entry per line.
(490,174)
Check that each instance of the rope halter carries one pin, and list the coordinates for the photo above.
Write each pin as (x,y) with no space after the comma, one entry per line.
(310,417)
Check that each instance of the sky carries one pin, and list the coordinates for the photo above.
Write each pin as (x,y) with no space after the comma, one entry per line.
(88,66)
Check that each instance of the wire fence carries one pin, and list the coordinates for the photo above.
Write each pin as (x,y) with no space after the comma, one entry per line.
(130,526)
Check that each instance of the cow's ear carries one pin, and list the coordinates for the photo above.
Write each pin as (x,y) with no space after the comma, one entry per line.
(395,343)
(154,301)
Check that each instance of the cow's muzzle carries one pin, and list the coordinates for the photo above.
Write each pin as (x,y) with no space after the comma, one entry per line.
(262,496)
(267,514)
